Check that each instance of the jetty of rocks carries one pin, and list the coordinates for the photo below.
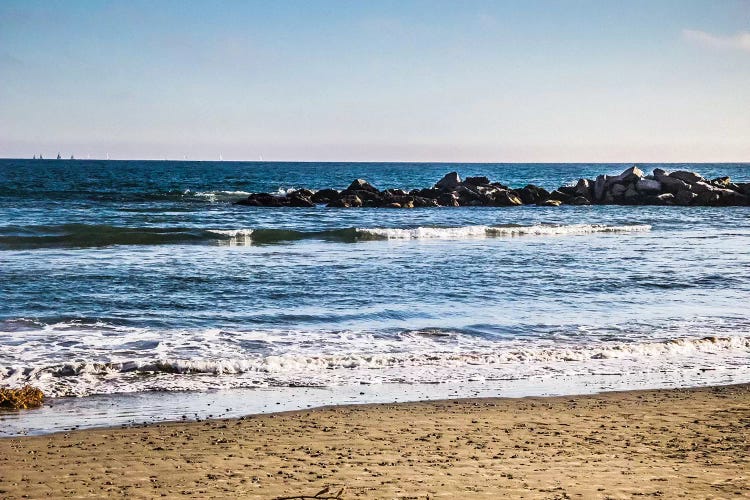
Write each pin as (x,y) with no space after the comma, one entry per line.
(631,187)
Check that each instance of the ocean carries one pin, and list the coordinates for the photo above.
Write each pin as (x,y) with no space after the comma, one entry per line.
(141,290)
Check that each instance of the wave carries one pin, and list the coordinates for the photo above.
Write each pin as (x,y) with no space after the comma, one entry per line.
(498,231)
(511,361)
(101,235)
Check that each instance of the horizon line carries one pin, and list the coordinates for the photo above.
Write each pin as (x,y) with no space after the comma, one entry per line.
(420,162)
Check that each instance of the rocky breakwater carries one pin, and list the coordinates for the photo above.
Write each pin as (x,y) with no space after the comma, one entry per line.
(631,187)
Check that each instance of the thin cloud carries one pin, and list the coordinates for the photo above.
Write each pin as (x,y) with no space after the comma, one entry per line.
(739,41)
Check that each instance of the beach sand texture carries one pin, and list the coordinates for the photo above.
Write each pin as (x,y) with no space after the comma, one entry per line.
(664,443)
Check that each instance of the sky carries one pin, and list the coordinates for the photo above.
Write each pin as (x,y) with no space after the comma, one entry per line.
(321,80)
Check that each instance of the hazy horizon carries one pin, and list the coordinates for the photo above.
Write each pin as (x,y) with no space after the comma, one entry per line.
(417,81)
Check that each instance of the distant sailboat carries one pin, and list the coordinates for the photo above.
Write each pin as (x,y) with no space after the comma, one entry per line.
(34,158)
(108,156)
(260,157)
(71,157)
(58,156)
(221,158)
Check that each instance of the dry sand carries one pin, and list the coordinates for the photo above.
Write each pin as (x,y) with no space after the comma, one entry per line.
(670,444)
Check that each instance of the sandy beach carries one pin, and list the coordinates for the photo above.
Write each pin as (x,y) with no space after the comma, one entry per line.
(691,443)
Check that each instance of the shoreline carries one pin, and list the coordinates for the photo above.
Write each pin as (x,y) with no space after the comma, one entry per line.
(662,442)
(101,411)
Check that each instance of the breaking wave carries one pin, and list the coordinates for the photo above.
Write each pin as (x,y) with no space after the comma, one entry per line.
(499,231)
(427,361)
(99,235)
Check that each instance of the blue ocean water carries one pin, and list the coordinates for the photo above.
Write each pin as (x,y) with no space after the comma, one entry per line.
(133,276)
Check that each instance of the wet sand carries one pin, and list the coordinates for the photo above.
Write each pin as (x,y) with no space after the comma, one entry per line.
(691,443)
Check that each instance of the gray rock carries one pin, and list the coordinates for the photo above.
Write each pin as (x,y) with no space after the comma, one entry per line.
(505,198)
(422,202)
(476,181)
(665,199)
(362,185)
(618,190)
(584,188)
(631,194)
(449,182)
(448,200)
(673,185)
(325,196)
(684,175)
(298,199)
(600,187)
(707,199)
(702,187)
(648,186)
(347,201)
(559,195)
(685,197)
(532,194)
(729,197)
(631,174)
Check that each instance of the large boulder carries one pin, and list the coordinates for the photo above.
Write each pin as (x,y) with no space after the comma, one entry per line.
(672,184)
(684,198)
(361,185)
(631,196)
(684,175)
(263,200)
(426,193)
(476,181)
(299,199)
(506,198)
(707,199)
(449,182)
(325,196)
(648,186)
(347,201)
(420,202)
(448,200)
(729,197)
(600,187)
(532,194)
(629,175)
(468,196)
(702,187)
(618,190)
(560,196)
(585,188)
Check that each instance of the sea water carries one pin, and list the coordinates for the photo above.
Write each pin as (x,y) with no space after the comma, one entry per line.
(138,279)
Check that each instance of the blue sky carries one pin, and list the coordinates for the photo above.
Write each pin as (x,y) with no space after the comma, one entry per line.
(658,80)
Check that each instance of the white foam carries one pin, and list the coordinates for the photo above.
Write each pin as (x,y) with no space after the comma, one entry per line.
(234,237)
(467,232)
(350,359)
(220,195)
